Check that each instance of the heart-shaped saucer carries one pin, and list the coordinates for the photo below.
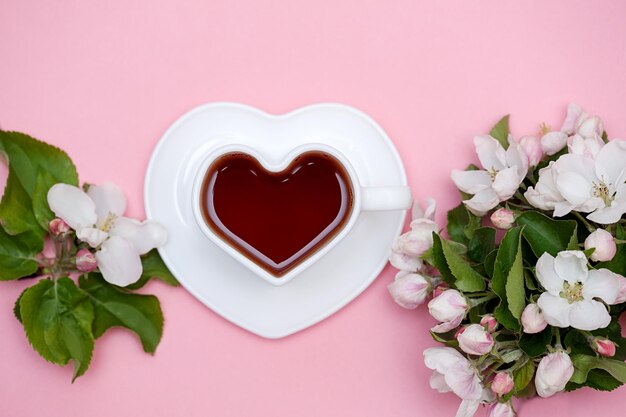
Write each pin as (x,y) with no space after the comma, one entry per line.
(220,281)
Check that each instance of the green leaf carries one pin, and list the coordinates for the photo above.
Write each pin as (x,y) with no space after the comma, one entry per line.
(536,344)
(16,214)
(481,244)
(28,157)
(522,376)
(16,307)
(57,317)
(467,279)
(28,160)
(42,211)
(501,131)
(544,234)
(515,292)
(115,306)
(505,259)
(602,381)
(439,260)
(154,267)
(458,218)
(584,363)
(490,262)
(18,254)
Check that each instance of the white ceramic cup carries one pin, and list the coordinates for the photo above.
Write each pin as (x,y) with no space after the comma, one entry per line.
(391,197)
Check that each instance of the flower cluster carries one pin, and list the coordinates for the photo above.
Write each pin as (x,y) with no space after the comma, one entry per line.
(528,284)
(77,249)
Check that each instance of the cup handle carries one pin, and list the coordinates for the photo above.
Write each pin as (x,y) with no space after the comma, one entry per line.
(386,198)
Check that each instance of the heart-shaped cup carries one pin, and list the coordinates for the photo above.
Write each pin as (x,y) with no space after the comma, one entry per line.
(362,199)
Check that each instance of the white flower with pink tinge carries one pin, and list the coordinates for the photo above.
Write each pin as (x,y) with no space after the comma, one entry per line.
(454,373)
(502,173)
(449,308)
(572,291)
(97,218)
(408,248)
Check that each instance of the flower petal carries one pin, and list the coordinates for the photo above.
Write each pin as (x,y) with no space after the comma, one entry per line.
(491,154)
(547,275)
(429,213)
(109,198)
(93,236)
(571,265)
(555,309)
(516,157)
(482,202)
(119,261)
(72,205)
(506,182)
(464,381)
(143,236)
(467,408)
(611,160)
(440,359)
(574,113)
(404,261)
(471,182)
(609,215)
(603,284)
(574,187)
(438,382)
(589,315)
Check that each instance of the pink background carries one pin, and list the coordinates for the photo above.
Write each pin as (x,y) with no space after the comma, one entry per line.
(104,79)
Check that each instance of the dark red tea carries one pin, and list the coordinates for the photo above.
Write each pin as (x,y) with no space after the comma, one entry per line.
(277,219)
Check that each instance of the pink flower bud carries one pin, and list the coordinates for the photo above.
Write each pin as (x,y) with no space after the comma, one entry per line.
(553,142)
(449,308)
(553,373)
(501,410)
(604,245)
(409,290)
(489,322)
(503,218)
(532,319)
(475,340)
(502,383)
(439,289)
(85,261)
(58,227)
(621,297)
(532,147)
(604,347)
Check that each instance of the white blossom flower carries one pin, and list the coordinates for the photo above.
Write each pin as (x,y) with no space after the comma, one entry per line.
(580,122)
(503,218)
(407,249)
(97,218)
(587,147)
(449,308)
(553,373)
(454,373)
(503,172)
(572,291)
(532,148)
(545,194)
(575,182)
(409,290)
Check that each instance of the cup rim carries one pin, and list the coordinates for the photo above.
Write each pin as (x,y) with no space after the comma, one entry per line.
(212,156)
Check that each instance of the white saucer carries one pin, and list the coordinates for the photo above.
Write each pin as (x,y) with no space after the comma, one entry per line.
(218,280)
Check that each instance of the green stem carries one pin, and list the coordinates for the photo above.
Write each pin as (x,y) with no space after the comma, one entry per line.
(589,227)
